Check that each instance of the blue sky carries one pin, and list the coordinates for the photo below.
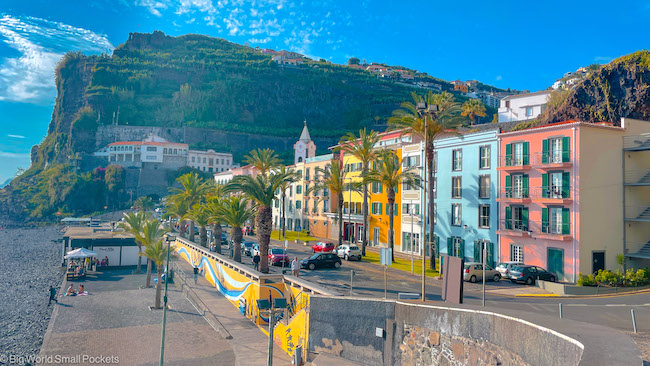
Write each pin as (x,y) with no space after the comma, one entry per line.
(516,44)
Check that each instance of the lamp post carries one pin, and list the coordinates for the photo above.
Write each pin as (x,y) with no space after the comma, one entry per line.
(279,305)
(412,241)
(169,240)
(350,211)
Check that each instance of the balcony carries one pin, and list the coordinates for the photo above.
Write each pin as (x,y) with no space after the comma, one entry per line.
(552,160)
(637,213)
(637,178)
(536,229)
(513,195)
(514,228)
(551,195)
(637,142)
(514,163)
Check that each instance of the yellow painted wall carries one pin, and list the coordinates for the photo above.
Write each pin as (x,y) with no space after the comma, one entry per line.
(382,221)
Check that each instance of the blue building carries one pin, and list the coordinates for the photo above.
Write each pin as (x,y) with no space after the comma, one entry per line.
(466,195)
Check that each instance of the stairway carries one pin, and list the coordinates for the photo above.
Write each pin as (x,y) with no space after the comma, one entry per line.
(645,214)
(644,252)
(645,179)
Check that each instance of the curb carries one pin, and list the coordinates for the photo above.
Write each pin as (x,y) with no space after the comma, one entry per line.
(537,295)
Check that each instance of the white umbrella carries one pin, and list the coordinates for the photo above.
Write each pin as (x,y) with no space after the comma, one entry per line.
(80,253)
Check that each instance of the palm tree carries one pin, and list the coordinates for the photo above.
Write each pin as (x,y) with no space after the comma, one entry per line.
(291,177)
(429,126)
(132,223)
(263,159)
(157,253)
(214,196)
(144,203)
(201,216)
(261,190)
(192,192)
(176,207)
(362,148)
(235,212)
(389,174)
(473,108)
(333,179)
(151,233)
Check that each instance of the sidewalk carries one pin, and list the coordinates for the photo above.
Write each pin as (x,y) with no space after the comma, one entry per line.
(248,342)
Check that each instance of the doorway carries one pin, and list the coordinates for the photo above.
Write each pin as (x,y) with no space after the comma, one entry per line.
(555,258)
(598,261)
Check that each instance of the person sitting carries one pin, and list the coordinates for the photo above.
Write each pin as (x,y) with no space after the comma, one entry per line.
(70,291)
(103,263)
(81,289)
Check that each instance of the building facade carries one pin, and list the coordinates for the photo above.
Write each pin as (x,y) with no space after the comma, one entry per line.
(522,107)
(209,161)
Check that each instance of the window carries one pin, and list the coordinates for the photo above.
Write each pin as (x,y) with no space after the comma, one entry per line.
(456,217)
(456,247)
(326,205)
(484,157)
(517,186)
(151,157)
(555,223)
(407,245)
(298,205)
(204,160)
(165,151)
(555,150)
(151,148)
(410,208)
(529,111)
(517,154)
(376,208)
(193,159)
(517,253)
(456,187)
(410,161)
(299,189)
(484,216)
(377,187)
(484,186)
(307,174)
(457,159)
(211,161)
(175,151)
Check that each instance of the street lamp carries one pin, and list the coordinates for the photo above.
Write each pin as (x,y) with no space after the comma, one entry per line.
(350,211)
(279,305)
(169,239)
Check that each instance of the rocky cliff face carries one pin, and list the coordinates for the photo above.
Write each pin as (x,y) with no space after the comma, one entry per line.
(619,89)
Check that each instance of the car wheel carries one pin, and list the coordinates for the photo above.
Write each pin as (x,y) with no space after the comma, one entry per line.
(347,258)
(496,278)
(337,265)
(472,279)
(312,266)
(552,279)
(530,281)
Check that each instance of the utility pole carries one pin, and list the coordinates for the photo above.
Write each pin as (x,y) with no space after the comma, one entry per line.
(169,240)
(484,245)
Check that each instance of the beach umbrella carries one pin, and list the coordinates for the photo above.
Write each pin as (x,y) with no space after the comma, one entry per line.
(80,253)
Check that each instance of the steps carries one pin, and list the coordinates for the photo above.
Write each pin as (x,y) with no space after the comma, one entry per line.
(645,214)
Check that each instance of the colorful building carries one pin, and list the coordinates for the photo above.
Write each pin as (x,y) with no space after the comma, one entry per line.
(465,196)
(561,193)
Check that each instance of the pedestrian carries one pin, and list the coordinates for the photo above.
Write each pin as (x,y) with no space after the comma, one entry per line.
(295,267)
(256,261)
(106,260)
(196,274)
(52,296)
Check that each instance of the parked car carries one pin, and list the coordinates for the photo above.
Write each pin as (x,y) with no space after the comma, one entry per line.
(349,252)
(224,239)
(322,247)
(247,248)
(256,249)
(473,272)
(529,274)
(321,260)
(505,267)
(277,256)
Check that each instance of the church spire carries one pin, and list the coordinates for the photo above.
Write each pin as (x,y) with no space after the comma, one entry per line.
(304,136)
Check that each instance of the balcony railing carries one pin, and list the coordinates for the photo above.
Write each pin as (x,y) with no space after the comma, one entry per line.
(536,228)
(535,159)
(637,142)
(637,177)
(535,193)
(517,193)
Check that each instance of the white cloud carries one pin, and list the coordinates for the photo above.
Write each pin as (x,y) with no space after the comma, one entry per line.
(153,6)
(258,40)
(16,136)
(499,77)
(11,155)
(40,44)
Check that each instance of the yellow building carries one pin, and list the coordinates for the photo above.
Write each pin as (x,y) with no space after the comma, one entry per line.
(379,219)
(352,201)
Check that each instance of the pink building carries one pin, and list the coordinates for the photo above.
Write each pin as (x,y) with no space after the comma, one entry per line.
(561,196)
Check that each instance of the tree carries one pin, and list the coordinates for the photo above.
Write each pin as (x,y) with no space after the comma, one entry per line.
(192,192)
(389,174)
(201,216)
(262,159)
(151,233)
(353,61)
(176,207)
(261,190)
(429,125)
(133,223)
(473,108)
(235,212)
(214,197)
(333,180)
(291,177)
(114,178)
(157,253)
(362,148)
(144,203)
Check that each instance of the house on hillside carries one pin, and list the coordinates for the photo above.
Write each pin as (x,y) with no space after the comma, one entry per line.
(522,107)
(283,60)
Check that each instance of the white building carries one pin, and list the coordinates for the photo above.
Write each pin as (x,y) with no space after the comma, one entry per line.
(154,149)
(521,107)
(210,161)
(304,148)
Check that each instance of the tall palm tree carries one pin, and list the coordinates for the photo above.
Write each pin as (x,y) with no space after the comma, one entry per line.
(429,126)
(333,179)
(261,190)
(235,212)
(176,207)
(291,177)
(473,108)
(157,253)
(388,172)
(201,216)
(192,192)
(144,203)
(263,159)
(133,223)
(215,194)
(151,233)
(362,148)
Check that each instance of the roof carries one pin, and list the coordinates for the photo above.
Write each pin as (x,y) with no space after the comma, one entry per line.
(515,96)
(567,123)
(126,143)
(304,136)
(102,232)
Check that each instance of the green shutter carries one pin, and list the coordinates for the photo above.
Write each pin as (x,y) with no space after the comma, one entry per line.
(565,149)
(508,154)
(545,186)
(381,187)
(565,221)
(395,209)
(381,208)
(461,250)
(524,218)
(477,251)
(490,254)
(566,188)
(545,151)
(526,150)
(524,181)
(508,218)
(436,241)
(450,246)
(545,219)
(508,186)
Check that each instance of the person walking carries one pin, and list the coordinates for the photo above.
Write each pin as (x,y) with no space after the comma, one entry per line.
(52,296)
(256,261)
(295,267)
(196,274)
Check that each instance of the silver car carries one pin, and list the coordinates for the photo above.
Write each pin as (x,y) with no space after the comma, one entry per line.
(349,252)
(504,268)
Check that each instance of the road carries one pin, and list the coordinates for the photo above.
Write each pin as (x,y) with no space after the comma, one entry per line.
(612,311)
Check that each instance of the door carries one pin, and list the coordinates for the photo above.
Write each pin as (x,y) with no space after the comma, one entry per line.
(517,154)
(598,261)
(555,258)
(556,185)
(555,226)
(517,186)
(375,236)
(556,151)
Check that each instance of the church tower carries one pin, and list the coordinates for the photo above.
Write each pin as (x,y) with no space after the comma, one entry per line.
(304,148)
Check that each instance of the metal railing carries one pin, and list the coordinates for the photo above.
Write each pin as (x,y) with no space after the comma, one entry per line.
(514,192)
(536,158)
(638,212)
(536,227)
(551,192)
(637,141)
(640,176)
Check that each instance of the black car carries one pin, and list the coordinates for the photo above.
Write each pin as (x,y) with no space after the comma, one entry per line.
(320,260)
(529,274)
(224,239)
